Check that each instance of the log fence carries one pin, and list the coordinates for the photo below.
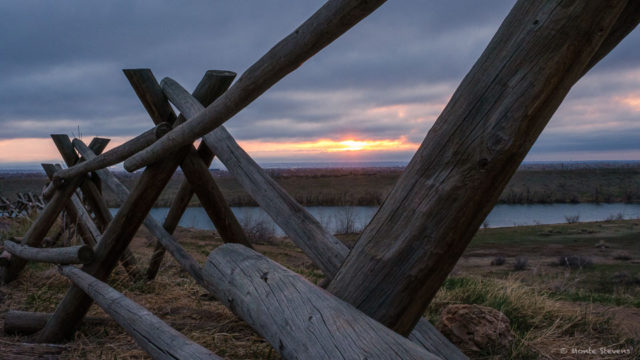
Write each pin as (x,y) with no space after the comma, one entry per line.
(377,292)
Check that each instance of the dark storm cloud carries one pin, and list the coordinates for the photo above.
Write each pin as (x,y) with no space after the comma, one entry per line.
(388,77)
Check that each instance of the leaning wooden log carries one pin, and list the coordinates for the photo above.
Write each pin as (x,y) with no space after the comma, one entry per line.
(115,155)
(93,194)
(26,322)
(333,19)
(114,241)
(178,206)
(300,320)
(323,248)
(302,228)
(158,231)
(196,164)
(153,335)
(415,239)
(80,254)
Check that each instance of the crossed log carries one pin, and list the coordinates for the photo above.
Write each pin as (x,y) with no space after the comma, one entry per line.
(403,256)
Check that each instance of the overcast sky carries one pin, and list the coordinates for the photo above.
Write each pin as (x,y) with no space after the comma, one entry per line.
(385,81)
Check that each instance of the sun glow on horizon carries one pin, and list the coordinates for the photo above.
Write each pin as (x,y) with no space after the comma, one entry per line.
(351,145)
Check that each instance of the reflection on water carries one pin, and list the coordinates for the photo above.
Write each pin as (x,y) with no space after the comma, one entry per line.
(341,218)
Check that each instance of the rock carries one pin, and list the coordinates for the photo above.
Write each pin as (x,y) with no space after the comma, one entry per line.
(602,245)
(475,328)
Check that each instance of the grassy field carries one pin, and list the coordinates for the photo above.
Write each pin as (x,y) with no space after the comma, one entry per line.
(369,186)
(562,287)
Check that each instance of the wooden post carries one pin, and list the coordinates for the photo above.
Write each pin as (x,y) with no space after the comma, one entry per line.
(300,320)
(302,228)
(153,335)
(164,238)
(114,241)
(333,19)
(115,155)
(93,195)
(469,155)
(80,254)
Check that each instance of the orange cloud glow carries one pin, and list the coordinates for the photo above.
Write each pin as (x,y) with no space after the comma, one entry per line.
(328,146)
(35,150)
(632,101)
(43,150)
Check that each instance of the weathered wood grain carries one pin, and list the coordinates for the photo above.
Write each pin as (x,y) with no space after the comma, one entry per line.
(469,155)
(153,335)
(333,19)
(115,155)
(80,254)
(300,320)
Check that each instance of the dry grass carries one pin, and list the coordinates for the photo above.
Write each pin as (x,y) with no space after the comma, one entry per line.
(542,323)
(543,326)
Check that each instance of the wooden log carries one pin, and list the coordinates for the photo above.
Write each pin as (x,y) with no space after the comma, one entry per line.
(93,195)
(302,228)
(80,254)
(154,101)
(469,155)
(115,155)
(300,320)
(12,350)
(48,191)
(333,19)
(158,231)
(196,164)
(178,206)
(153,335)
(26,322)
(114,241)
(323,248)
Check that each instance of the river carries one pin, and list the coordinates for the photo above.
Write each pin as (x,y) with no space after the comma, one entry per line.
(340,218)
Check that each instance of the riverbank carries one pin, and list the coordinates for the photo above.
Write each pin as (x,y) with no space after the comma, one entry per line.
(531,184)
(562,287)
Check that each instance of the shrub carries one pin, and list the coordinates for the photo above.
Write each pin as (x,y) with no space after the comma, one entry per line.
(575,262)
(521,263)
(346,221)
(572,219)
(499,260)
(258,231)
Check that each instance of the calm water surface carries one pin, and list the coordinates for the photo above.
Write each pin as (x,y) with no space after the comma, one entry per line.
(334,218)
